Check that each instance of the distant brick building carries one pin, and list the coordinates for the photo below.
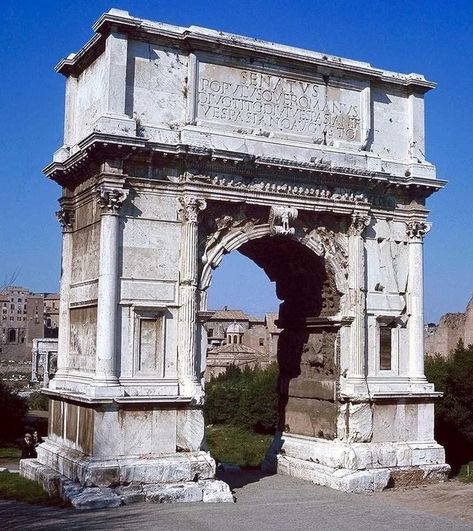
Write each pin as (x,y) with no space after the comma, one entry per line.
(235,338)
(25,316)
(443,338)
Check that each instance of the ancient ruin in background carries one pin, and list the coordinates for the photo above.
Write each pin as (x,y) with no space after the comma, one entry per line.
(184,144)
(442,339)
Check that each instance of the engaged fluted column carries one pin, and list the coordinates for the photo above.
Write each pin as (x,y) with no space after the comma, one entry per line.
(110,201)
(65,217)
(188,371)
(416,230)
(356,255)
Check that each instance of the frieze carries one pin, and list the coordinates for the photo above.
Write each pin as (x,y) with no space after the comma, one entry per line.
(271,186)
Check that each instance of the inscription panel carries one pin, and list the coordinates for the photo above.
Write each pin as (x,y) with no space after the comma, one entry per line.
(262,102)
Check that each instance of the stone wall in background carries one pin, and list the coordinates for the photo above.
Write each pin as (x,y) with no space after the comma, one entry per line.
(443,338)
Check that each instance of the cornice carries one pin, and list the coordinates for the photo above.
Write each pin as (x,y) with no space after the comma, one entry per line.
(99,146)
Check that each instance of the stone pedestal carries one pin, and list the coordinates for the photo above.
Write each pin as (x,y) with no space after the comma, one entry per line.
(106,454)
(362,467)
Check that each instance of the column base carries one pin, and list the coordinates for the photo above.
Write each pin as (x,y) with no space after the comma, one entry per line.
(370,480)
(359,467)
(80,497)
(90,482)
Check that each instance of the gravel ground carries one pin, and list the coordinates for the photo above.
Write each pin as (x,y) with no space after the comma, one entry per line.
(270,503)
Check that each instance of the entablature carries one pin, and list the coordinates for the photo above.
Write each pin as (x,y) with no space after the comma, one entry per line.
(98,147)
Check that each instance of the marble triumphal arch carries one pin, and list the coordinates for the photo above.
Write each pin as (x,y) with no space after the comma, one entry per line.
(181,145)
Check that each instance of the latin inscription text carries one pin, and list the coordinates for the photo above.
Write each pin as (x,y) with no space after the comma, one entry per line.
(267,102)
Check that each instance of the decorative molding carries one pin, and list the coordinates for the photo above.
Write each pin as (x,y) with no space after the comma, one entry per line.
(258,184)
(280,218)
(359,222)
(225,231)
(110,200)
(330,243)
(191,206)
(220,223)
(66,217)
(417,229)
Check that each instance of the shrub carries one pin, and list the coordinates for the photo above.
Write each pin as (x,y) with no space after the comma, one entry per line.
(13,410)
(259,400)
(454,412)
(38,402)
(230,444)
(247,399)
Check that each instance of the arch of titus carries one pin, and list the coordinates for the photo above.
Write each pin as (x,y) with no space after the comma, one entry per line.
(181,145)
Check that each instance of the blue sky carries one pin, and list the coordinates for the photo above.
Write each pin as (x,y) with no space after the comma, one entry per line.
(430,37)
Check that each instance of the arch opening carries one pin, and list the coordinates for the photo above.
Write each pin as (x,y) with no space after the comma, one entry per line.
(306,349)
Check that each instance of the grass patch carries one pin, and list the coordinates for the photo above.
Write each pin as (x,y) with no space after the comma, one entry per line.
(10,453)
(15,487)
(466,473)
(230,444)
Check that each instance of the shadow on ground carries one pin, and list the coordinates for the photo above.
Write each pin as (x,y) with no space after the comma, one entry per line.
(238,480)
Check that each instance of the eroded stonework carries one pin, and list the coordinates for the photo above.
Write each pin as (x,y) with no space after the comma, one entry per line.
(313,167)
(443,339)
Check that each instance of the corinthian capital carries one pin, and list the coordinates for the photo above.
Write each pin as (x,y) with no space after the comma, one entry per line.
(111,199)
(359,222)
(66,218)
(190,208)
(416,229)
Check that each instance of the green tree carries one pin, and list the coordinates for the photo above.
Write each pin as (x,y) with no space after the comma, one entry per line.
(259,400)
(454,412)
(13,410)
(222,402)
(247,399)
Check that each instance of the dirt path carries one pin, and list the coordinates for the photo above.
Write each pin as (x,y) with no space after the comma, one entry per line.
(452,499)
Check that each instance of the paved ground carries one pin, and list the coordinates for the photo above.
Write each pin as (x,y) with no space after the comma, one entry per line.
(270,503)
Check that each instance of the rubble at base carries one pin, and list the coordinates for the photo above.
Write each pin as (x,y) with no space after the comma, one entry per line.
(207,490)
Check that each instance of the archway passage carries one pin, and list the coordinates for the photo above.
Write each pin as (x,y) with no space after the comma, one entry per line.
(303,281)
(307,345)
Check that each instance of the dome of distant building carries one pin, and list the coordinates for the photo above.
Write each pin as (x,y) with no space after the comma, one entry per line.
(235,328)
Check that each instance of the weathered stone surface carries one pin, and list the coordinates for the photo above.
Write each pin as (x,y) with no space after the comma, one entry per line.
(359,420)
(190,429)
(95,498)
(341,479)
(69,489)
(185,492)
(443,338)
(215,491)
(48,478)
(131,494)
